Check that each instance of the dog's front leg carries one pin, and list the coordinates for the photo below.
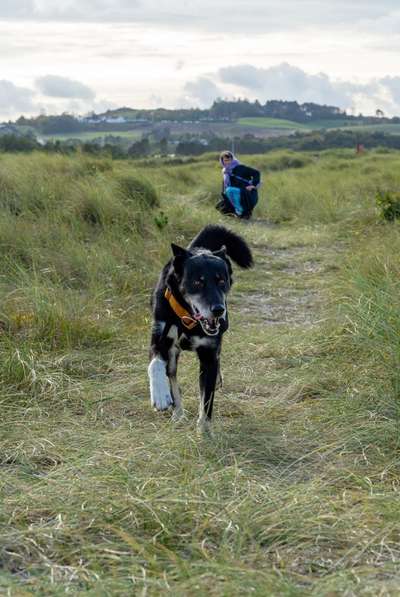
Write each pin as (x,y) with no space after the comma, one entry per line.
(160,393)
(209,365)
(176,395)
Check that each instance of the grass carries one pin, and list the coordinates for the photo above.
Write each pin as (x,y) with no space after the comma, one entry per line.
(279,123)
(375,128)
(276,123)
(91,135)
(297,494)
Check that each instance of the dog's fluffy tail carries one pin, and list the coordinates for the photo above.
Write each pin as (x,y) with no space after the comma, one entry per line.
(214,237)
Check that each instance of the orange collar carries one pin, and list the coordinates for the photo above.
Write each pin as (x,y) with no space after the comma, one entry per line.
(180,311)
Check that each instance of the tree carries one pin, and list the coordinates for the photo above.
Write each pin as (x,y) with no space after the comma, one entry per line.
(164,146)
(140,148)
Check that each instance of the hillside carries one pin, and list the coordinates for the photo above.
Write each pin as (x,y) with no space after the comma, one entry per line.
(296,494)
(235,118)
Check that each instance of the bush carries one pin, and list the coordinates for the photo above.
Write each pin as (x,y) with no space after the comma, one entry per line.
(388,203)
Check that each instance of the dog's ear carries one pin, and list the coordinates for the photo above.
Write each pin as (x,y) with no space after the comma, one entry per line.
(180,256)
(221,252)
(180,251)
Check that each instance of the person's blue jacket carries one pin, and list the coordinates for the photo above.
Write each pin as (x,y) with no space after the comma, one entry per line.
(243,176)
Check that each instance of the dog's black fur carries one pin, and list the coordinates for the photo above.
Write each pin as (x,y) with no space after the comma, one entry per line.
(199,278)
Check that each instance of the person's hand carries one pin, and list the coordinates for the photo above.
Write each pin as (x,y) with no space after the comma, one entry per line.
(250,187)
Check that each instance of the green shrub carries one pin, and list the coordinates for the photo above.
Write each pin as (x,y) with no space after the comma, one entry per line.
(388,203)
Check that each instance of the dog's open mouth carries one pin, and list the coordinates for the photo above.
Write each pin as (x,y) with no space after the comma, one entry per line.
(210,325)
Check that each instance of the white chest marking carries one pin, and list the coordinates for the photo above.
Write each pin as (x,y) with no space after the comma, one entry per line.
(197,341)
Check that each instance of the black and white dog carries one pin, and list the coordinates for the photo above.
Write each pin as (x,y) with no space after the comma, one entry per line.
(190,313)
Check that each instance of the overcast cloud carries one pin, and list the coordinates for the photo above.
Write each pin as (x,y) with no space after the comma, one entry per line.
(265,15)
(286,82)
(74,55)
(15,99)
(55,86)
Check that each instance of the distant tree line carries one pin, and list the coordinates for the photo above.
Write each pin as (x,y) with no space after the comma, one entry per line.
(314,141)
(220,110)
(249,144)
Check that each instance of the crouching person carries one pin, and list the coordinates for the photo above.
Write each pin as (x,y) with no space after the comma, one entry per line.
(239,187)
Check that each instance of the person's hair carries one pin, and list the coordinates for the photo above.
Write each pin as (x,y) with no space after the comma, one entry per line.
(226,154)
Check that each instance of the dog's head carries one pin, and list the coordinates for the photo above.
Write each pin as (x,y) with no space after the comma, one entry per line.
(204,279)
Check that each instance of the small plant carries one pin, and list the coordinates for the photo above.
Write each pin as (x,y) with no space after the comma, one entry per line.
(388,203)
(161,220)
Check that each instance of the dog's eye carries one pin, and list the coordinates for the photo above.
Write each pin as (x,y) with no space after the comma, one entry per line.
(198,283)
(221,282)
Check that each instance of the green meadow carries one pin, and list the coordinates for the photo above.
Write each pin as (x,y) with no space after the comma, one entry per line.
(133,135)
(279,123)
(297,492)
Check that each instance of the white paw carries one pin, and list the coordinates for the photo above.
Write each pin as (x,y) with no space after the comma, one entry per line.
(160,394)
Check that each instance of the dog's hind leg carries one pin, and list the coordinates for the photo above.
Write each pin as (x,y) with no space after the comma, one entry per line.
(209,365)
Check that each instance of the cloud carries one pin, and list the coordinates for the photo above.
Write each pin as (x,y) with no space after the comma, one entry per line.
(14,99)
(75,98)
(15,9)
(287,82)
(392,84)
(290,83)
(55,86)
(201,92)
(250,15)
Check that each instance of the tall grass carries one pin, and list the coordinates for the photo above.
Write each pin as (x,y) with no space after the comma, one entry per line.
(372,309)
(297,494)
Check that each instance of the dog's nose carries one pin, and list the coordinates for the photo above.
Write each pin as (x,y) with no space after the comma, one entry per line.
(217,310)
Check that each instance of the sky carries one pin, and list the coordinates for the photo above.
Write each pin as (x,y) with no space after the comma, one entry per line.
(90,55)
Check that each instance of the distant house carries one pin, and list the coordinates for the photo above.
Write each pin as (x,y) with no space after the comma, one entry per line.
(93,120)
(108,119)
(115,120)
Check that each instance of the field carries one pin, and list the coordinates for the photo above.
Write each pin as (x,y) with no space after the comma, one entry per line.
(274,123)
(133,135)
(394,129)
(277,123)
(296,493)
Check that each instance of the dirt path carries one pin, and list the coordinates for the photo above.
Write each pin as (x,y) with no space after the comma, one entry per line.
(277,370)
(289,283)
